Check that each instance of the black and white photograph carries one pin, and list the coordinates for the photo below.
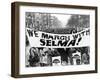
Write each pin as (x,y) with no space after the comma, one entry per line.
(65,32)
(52,39)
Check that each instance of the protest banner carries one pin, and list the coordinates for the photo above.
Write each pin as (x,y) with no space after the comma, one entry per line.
(44,39)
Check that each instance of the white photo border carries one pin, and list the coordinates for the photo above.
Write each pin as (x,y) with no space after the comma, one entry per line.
(39,70)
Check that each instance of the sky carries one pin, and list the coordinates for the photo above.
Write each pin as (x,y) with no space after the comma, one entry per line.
(63,18)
